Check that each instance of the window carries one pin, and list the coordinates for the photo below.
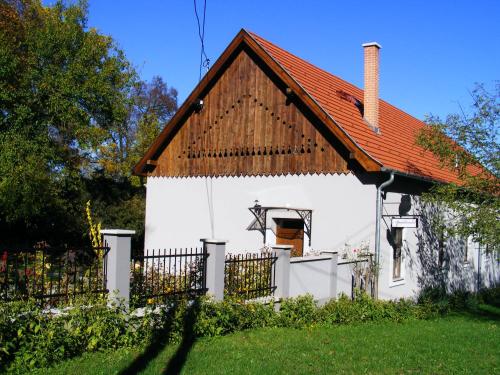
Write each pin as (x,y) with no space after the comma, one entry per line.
(397,237)
(466,250)
(441,244)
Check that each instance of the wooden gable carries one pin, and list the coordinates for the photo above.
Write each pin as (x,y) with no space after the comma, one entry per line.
(249,126)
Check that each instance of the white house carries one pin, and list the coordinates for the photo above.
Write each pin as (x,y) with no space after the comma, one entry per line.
(269,149)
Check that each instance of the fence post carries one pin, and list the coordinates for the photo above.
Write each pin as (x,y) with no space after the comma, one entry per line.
(216,251)
(282,270)
(333,272)
(118,262)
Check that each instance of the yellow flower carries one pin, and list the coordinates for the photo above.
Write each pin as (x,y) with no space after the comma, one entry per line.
(94,229)
(150,301)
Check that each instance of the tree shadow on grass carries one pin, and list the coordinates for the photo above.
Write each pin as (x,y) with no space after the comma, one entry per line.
(481,312)
(176,363)
(161,338)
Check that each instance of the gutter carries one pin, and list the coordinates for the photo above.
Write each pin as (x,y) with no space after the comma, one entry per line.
(378,220)
(412,176)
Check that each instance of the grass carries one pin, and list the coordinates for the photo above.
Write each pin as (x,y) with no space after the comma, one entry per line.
(459,344)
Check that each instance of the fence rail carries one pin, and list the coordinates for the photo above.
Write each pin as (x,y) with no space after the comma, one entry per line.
(250,275)
(52,275)
(159,275)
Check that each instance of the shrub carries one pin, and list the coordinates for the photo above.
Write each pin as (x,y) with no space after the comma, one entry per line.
(31,337)
(16,321)
(490,296)
(363,309)
(435,296)
(298,312)
(232,315)
(441,302)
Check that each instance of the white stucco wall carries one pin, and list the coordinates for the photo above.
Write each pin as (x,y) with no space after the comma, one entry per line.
(177,213)
(420,258)
(410,267)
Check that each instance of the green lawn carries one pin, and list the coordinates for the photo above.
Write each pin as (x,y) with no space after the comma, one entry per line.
(451,345)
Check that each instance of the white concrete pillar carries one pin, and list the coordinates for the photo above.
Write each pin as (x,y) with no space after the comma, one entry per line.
(282,270)
(216,251)
(333,273)
(118,262)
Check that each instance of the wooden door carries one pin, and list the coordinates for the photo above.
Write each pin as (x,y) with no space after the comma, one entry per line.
(291,232)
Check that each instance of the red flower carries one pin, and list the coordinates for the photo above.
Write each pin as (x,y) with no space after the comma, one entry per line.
(3,263)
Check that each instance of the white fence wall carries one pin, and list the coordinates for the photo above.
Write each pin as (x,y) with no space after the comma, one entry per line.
(344,279)
(315,275)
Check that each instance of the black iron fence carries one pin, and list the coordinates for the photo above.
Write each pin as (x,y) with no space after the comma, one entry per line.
(160,275)
(250,275)
(52,275)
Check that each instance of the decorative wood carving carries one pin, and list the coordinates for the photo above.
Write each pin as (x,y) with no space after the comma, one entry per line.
(248,126)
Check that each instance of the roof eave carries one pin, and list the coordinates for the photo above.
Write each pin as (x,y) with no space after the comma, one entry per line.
(413,176)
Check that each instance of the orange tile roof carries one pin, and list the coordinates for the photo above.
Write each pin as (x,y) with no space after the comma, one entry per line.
(394,147)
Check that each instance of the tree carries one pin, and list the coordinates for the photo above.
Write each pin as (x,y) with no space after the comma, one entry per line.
(149,106)
(120,197)
(74,119)
(467,143)
(63,89)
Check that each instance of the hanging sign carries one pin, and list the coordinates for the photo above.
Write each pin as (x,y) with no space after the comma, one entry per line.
(404,222)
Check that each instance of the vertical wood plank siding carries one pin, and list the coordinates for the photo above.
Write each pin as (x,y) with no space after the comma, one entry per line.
(247,127)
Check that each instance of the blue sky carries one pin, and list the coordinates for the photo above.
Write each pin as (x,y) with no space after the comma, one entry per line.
(433,51)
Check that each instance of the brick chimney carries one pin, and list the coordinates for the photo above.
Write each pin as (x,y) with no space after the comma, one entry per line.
(371,84)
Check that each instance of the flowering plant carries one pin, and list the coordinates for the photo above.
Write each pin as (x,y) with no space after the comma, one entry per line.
(362,266)
(360,252)
(94,229)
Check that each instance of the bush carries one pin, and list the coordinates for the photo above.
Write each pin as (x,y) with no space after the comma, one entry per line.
(298,312)
(230,315)
(16,321)
(490,296)
(441,302)
(365,309)
(31,337)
